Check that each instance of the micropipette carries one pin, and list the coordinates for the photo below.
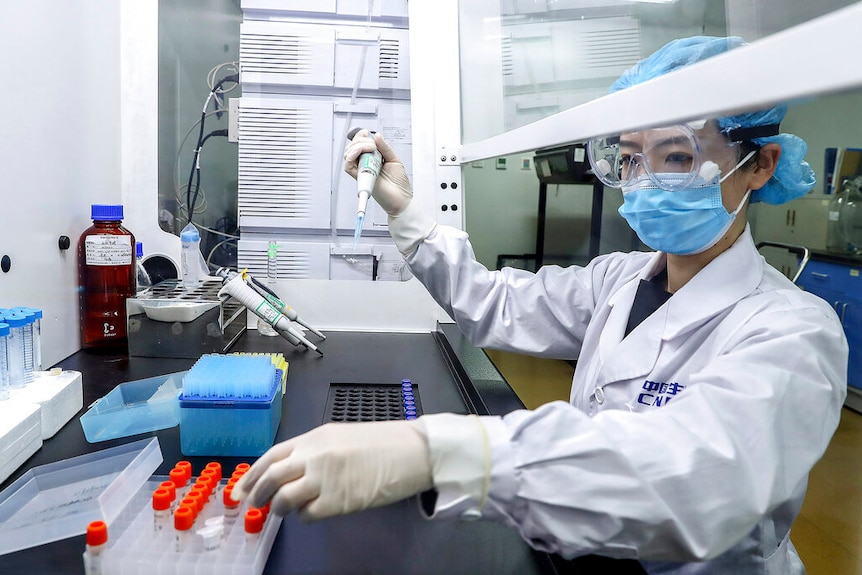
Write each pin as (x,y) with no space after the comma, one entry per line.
(369,168)
(235,285)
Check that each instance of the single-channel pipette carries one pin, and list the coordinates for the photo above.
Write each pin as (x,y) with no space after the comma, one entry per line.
(369,169)
(235,285)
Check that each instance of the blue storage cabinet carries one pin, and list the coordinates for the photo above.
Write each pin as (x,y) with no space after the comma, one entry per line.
(838,280)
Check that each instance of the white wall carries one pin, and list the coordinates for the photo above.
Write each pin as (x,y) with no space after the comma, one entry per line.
(60,150)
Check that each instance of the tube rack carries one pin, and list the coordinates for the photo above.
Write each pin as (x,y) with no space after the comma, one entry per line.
(135,547)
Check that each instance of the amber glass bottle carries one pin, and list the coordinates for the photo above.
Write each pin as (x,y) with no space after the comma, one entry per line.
(106,278)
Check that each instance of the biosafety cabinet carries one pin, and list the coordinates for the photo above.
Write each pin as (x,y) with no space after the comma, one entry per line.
(451,84)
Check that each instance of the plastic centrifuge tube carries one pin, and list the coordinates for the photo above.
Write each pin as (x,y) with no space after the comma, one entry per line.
(184,518)
(212,536)
(97,542)
(178,478)
(253,527)
(37,338)
(161,509)
(4,370)
(172,490)
(15,349)
(231,505)
(28,342)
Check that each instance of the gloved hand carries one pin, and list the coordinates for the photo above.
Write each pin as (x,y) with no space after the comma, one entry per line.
(340,468)
(392,190)
(408,224)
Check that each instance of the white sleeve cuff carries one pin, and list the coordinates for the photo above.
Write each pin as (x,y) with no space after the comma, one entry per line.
(410,227)
(461,452)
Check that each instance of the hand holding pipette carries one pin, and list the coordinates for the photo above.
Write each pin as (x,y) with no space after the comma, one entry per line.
(369,164)
(409,224)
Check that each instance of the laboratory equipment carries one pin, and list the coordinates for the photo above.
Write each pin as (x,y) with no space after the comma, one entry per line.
(27,342)
(167,321)
(4,370)
(193,540)
(190,258)
(244,289)
(263,327)
(58,500)
(844,229)
(142,276)
(59,394)
(37,338)
(106,278)
(134,407)
(369,168)
(15,348)
(353,70)
(231,404)
(97,541)
(20,435)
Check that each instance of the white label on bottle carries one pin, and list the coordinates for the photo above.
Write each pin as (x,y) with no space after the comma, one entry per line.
(108,250)
(833,216)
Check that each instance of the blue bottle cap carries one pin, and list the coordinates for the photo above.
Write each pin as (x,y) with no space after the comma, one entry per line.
(139,250)
(4,329)
(28,314)
(106,212)
(15,319)
(410,412)
(403,381)
(190,235)
(34,310)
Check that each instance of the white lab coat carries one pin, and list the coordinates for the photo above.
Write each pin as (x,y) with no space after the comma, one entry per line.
(686,444)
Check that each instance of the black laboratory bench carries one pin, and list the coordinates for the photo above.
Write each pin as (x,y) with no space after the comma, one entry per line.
(448,375)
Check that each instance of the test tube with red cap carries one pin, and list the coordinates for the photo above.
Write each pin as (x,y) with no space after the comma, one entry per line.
(161,508)
(97,542)
(178,478)
(216,469)
(172,489)
(253,526)
(231,505)
(184,518)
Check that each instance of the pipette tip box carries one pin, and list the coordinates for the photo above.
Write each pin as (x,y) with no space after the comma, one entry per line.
(231,414)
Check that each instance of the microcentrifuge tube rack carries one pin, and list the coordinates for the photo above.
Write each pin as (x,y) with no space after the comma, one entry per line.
(136,548)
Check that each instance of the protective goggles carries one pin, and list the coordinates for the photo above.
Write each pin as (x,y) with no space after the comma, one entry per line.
(671,157)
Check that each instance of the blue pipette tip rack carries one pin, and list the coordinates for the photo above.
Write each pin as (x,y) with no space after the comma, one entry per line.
(230,405)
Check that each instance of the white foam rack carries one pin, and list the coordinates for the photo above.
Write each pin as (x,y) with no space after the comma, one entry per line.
(35,413)
(136,547)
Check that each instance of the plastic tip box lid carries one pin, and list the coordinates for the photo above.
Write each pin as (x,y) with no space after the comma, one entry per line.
(58,500)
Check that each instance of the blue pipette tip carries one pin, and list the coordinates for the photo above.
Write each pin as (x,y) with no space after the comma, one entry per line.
(360,218)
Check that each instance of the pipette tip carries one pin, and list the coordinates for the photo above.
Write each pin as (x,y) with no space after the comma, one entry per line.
(360,219)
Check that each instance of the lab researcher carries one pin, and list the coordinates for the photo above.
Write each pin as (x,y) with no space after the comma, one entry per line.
(706,388)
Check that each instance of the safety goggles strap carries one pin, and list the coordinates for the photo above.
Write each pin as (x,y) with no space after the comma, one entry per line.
(752,133)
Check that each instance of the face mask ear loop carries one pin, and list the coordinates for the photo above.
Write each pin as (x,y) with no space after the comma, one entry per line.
(737,166)
(741,203)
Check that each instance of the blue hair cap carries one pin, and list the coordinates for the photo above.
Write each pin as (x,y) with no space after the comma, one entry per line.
(793,177)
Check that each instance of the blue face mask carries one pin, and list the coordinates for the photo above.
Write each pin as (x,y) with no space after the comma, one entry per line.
(684,222)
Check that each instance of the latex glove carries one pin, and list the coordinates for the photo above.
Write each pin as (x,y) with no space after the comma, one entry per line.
(340,468)
(408,224)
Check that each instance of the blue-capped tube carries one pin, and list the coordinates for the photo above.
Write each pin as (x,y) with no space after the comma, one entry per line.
(28,342)
(15,348)
(4,369)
